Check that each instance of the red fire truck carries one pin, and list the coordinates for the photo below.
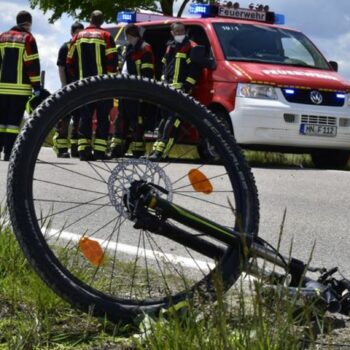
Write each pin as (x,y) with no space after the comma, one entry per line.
(270,84)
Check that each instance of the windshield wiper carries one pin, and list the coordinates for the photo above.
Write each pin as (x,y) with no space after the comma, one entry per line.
(259,60)
(244,59)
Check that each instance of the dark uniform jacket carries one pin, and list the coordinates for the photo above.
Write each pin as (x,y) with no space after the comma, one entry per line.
(19,63)
(178,70)
(92,52)
(140,59)
(62,60)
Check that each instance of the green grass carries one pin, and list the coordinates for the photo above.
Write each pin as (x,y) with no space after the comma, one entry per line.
(259,158)
(33,317)
(242,320)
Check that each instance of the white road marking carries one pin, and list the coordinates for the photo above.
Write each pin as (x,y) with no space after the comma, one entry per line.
(132,250)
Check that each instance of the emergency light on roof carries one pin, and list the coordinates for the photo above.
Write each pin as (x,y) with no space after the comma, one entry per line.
(279,19)
(230,10)
(126,17)
(205,10)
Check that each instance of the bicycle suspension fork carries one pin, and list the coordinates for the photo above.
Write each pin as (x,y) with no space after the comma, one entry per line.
(150,211)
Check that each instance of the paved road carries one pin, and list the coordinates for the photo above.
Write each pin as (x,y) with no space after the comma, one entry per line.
(317,203)
(3,175)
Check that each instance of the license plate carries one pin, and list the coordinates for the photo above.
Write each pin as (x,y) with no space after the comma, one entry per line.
(318,130)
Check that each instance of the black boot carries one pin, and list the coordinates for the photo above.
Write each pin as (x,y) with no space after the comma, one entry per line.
(86,155)
(137,153)
(155,156)
(74,151)
(63,153)
(99,155)
(118,151)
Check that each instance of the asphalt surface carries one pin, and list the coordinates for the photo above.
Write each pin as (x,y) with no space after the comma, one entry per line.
(317,204)
(3,176)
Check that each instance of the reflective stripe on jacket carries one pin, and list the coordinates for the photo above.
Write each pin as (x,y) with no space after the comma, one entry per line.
(92,52)
(140,59)
(19,62)
(178,69)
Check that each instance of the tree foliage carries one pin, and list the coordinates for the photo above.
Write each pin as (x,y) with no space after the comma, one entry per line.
(81,9)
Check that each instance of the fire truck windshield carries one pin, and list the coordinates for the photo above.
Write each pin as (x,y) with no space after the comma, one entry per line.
(265,44)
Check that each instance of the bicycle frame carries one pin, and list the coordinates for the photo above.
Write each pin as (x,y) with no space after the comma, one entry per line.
(150,211)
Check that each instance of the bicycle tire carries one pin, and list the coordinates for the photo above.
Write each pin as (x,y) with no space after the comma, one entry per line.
(25,219)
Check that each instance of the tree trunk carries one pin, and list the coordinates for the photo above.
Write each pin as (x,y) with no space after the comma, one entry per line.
(182,7)
(167,7)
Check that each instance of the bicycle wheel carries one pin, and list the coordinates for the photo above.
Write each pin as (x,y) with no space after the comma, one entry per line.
(72,223)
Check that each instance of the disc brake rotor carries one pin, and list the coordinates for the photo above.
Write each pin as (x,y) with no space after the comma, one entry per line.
(129,170)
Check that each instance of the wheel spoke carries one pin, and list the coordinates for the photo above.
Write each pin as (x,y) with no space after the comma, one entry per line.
(67,186)
(202,200)
(69,202)
(209,178)
(186,175)
(149,237)
(146,265)
(94,168)
(76,206)
(114,259)
(71,171)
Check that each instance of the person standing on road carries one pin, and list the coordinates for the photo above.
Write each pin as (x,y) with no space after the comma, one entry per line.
(138,61)
(181,73)
(93,52)
(19,75)
(61,141)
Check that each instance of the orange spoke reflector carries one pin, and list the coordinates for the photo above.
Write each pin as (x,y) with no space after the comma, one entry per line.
(200,182)
(92,250)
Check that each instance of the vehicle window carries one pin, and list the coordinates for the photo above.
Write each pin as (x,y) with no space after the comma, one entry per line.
(119,36)
(255,43)
(120,42)
(296,51)
(157,37)
(198,35)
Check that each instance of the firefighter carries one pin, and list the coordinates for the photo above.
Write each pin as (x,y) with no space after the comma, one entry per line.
(61,141)
(180,73)
(139,61)
(19,75)
(93,52)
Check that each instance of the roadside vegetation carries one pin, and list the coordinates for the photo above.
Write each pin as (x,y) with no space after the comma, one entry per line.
(273,159)
(257,158)
(33,317)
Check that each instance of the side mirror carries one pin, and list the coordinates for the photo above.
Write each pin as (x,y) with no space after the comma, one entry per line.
(199,56)
(334,65)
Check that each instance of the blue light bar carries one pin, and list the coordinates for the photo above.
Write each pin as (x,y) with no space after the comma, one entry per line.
(200,9)
(126,17)
(289,91)
(340,95)
(279,19)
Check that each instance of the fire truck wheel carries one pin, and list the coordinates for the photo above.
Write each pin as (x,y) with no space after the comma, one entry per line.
(205,150)
(330,159)
(224,117)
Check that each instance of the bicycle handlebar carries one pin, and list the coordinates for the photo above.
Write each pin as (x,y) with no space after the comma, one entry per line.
(325,293)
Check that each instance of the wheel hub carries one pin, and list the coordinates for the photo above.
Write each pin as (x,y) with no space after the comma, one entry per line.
(130,170)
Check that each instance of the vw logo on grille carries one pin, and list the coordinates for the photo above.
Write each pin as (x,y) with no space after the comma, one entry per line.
(316,97)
